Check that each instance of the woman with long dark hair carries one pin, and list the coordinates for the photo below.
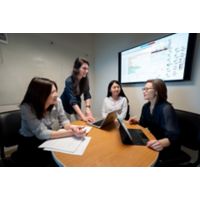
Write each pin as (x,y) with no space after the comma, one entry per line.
(115,100)
(43,118)
(77,85)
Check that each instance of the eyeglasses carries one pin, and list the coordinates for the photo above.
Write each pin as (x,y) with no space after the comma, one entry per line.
(85,68)
(146,89)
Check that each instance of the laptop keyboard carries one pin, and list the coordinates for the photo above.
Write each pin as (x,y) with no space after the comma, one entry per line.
(138,136)
(98,123)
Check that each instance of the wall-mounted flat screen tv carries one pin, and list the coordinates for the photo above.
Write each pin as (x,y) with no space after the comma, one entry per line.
(168,58)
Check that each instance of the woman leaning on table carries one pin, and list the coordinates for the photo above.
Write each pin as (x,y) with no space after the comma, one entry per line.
(41,110)
(159,116)
(76,85)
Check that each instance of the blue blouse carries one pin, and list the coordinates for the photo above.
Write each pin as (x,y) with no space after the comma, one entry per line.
(162,122)
(69,99)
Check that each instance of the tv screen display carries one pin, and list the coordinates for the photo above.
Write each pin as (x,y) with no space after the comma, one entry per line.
(168,58)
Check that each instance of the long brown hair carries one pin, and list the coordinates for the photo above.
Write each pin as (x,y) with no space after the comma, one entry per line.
(161,88)
(37,93)
(83,85)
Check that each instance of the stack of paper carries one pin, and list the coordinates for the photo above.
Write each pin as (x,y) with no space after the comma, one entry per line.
(70,145)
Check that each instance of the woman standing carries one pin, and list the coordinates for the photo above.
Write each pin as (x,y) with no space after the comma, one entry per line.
(76,85)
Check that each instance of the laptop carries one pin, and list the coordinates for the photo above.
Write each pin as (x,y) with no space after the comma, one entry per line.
(103,122)
(132,136)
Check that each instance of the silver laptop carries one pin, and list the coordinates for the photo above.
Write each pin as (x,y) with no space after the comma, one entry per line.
(103,122)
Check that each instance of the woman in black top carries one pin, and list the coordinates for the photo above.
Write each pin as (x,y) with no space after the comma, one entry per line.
(159,116)
(76,85)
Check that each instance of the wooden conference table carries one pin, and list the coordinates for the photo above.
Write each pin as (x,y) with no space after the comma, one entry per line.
(105,149)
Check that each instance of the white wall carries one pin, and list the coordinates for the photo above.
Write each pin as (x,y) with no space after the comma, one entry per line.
(28,55)
(46,55)
(183,95)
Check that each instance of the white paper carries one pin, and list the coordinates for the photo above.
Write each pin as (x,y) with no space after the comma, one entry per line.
(79,151)
(87,128)
(67,144)
(71,145)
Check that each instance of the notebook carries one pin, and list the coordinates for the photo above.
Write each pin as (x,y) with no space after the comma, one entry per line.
(103,122)
(132,136)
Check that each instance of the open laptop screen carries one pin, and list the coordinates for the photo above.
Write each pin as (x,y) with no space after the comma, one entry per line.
(103,122)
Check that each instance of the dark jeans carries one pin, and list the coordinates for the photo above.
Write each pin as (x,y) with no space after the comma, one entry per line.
(28,153)
(168,157)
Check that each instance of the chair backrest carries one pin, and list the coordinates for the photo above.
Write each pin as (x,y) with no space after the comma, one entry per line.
(190,129)
(10,123)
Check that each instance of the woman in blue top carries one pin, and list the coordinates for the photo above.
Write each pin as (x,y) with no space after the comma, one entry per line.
(159,116)
(43,118)
(76,85)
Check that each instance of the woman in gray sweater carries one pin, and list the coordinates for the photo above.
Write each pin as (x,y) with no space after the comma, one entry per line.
(41,112)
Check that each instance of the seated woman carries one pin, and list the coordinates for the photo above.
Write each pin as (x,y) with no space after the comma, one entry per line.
(115,100)
(160,118)
(41,110)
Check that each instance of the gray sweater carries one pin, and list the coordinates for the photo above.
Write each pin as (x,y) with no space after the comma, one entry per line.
(32,126)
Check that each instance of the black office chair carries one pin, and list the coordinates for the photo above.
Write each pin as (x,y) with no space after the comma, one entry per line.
(189,124)
(190,133)
(10,123)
